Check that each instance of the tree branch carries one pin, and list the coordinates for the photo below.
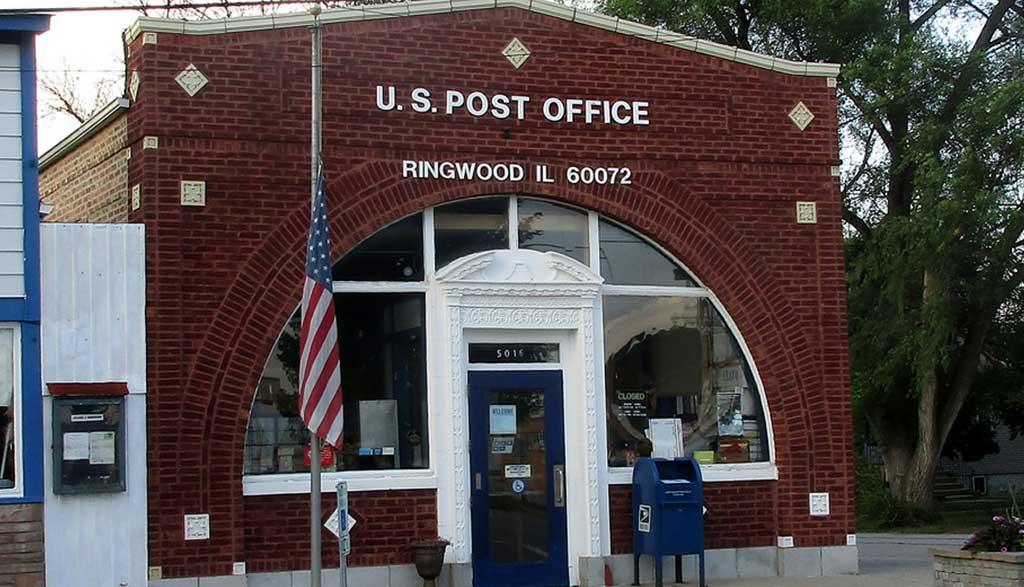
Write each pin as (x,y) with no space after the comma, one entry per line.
(970,70)
(928,14)
(856,222)
(876,123)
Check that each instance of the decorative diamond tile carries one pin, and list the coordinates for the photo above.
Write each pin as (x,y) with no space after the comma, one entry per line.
(193,193)
(516,52)
(806,213)
(149,38)
(150,142)
(192,80)
(801,115)
(133,86)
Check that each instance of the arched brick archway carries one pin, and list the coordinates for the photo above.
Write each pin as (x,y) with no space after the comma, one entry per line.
(221,382)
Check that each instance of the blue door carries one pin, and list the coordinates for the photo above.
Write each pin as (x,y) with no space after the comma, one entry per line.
(517,463)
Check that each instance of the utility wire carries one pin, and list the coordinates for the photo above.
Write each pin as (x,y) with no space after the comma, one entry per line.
(157,7)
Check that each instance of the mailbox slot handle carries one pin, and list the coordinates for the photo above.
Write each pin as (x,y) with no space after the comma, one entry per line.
(559,474)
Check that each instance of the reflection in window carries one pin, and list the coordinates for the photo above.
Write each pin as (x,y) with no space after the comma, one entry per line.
(384,384)
(7,413)
(549,227)
(672,361)
(392,254)
(626,259)
(470,226)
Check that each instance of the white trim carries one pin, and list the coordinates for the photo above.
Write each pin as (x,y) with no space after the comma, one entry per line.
(425,7)
(376,480)
(379,286)
(90,127)
(654,290)
(513,223)
(429,254)
(19,470)
(717,473)
(594,241)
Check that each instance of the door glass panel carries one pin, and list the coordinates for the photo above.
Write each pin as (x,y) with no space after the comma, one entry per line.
(517,476)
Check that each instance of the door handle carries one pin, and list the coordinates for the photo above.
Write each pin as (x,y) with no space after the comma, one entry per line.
(559,474)
(478,481)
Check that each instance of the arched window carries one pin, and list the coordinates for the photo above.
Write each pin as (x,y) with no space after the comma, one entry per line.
(674,371)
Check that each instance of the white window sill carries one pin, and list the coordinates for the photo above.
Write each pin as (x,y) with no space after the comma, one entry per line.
(290,483)
(719,473)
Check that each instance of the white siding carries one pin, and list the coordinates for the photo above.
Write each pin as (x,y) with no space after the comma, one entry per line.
(93,290)
(12,261)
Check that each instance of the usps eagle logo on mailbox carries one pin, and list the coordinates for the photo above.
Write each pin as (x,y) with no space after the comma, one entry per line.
(643,518)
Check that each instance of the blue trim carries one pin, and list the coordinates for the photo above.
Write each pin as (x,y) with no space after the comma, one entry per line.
(27,310)
(32,23)
(30,176)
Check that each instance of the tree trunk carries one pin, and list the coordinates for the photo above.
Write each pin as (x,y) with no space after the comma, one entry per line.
(910,480)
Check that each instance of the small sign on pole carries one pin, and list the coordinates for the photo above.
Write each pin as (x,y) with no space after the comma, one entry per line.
(344,523)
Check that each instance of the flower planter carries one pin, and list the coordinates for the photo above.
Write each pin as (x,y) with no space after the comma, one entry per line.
(428,556)
(963,568)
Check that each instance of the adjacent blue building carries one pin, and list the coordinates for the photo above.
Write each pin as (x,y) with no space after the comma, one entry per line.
(21,465)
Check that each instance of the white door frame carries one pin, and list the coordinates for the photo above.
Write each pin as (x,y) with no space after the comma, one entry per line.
(524,295)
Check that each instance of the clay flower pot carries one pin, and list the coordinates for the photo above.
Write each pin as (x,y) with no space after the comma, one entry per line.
(428,556)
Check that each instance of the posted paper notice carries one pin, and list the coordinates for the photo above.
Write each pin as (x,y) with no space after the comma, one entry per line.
(101,447)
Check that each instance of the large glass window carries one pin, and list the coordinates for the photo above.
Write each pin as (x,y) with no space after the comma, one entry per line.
(673,372)
(627,259)
(549,227)
(470,226)
(675,375)
(383,381)
(393,254)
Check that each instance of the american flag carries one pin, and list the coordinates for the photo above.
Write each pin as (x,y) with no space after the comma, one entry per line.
(320,386)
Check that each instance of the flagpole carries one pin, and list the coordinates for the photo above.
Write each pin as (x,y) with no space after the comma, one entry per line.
(314,452)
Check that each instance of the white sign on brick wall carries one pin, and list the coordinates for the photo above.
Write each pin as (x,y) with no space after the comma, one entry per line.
(193,193)
(818,504)
(197,526)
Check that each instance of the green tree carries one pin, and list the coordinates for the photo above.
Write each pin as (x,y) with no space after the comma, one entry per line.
(931,114)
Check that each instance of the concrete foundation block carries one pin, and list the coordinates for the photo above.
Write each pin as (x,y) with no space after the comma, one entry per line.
(622,569)
(800,562)
(270,580)
(591,571)
(360,577)
(224,581)
(758,561)
(720,564)
(456,575)
(839,560)
(404,576)
(189,582)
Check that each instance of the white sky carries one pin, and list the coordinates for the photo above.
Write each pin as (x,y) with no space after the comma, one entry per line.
(88,43)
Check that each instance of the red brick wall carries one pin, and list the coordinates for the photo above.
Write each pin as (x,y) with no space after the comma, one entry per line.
(90,184)
(277,529)
(716,178)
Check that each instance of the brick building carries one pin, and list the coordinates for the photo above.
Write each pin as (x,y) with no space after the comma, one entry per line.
(554,232)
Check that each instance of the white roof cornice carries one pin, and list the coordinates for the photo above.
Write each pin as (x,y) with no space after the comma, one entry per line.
(90,127)
(424,7)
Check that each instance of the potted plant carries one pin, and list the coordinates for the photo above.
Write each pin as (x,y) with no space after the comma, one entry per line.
(991,556)
(428,556)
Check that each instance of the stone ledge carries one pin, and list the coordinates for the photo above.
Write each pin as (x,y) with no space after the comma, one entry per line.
(1003,557)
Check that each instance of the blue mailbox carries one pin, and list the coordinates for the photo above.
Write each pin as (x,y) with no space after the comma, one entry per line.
(668,517)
